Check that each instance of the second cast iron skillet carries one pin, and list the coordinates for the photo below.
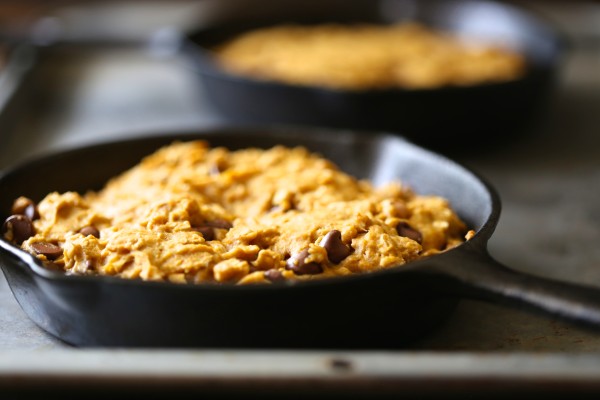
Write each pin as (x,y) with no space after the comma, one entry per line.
(384,309)
(444,116)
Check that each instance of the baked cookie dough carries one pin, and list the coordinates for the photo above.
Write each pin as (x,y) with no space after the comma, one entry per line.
(364,56)
(192,214)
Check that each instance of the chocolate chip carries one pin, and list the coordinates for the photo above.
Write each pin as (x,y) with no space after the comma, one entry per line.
(341,365)
(32,213)
(336,249)
(18,228)
(89,265)
(25,206)
(404,229)
(219,224)
(297,264)
(53,267)
(51,251)
(90,230)
(274,275)
(207,232)
(218,166)
(207,229)
(215,170)
(190,277)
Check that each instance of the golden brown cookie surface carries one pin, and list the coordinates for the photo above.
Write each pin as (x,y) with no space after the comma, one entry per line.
(189,213)
(357,57)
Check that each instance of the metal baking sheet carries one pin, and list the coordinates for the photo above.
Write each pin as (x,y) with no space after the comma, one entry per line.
(550,226)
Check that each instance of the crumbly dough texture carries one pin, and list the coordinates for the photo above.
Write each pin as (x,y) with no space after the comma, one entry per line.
(261,208)
(356,57)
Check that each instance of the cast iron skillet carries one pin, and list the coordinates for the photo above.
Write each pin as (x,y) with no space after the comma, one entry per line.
(382,309)
(433,117)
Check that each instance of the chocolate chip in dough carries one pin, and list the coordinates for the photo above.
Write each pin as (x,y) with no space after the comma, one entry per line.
(273,275)
(207,229)
(207,232)
(53,267)
(90,230)
(336,249)
(32,213)
(218,167)
(214,170)
(18,228)
(51,251)
(404,229)
(219,224)
(25,206)
(297,264)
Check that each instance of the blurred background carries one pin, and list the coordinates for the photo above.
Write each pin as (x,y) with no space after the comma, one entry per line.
(95,67)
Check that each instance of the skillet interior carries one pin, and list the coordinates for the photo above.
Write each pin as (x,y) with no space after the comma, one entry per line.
(374,310)
(461,113)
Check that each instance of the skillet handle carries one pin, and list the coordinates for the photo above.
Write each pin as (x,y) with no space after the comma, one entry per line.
(480,276)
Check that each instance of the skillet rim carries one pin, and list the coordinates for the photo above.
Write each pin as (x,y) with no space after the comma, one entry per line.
(206,64)
(36,269)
